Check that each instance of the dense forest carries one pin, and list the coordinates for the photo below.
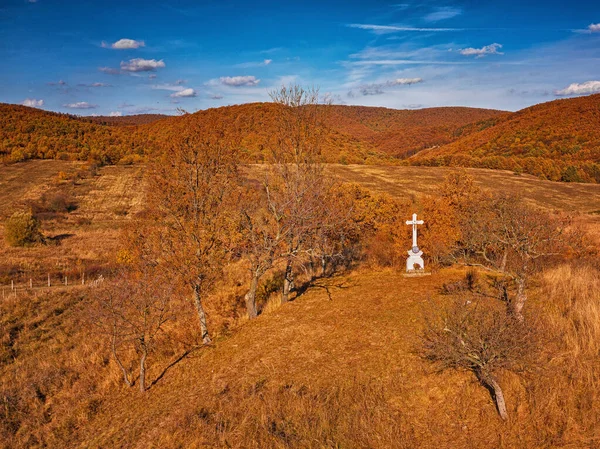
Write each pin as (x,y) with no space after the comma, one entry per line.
(559,140)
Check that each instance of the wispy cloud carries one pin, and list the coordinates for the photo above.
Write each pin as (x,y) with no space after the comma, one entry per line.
(109,70)
(491,49)
(384,29)
(185,93)
(58,83)
(142,65)
(80,105)
(248,65)
(33,103)
(589,87)
(94,85)
(237,81)
(390,62)
(378,88)
(594,28)
(115,114)
(442,13)
(124,44)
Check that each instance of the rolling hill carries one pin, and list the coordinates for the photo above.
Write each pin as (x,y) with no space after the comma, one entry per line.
(353,134)
(558,140)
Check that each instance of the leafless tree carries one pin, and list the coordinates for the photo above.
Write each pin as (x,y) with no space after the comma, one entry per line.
(480,339)
(296,184)
(132,312)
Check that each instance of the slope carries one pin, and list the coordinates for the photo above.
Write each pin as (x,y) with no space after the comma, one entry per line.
(558,140)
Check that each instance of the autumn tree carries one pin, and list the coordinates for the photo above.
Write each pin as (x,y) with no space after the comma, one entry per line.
(192,195)
(22,229)
(480,339)
(295,183)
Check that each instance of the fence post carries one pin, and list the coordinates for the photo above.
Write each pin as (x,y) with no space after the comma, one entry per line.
(30,283)
(66,282)
(48,279)
(12,285)
(82,278)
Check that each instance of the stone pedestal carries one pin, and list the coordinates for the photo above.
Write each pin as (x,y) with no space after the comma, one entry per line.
(415,260)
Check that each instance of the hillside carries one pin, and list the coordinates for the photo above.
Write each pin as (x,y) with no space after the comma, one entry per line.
(29,133)
(125,120)
(352,134)
(337,367)
(401,133)
(558,140)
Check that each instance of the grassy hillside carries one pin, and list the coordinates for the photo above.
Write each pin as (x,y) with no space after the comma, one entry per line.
(337,367)
(559,140)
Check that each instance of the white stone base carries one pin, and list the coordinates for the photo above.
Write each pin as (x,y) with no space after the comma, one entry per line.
(415,263)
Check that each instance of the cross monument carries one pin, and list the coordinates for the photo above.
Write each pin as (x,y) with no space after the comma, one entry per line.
(414,261)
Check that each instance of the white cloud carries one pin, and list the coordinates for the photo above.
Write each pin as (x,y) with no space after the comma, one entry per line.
(237,81)
(442,13)
(142,65)
(383,29)
(403,81)
(267,61)
(216,97)
(589,87)
(109,70)
(80,105)
(594,28)
(124,44)
(491,49)
(185,93)
(115,114)
(32,102)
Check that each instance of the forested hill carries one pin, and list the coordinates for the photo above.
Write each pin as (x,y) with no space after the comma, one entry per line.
(352,134)
(558,140)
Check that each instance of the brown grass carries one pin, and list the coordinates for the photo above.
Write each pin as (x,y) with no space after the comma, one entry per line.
(337,367)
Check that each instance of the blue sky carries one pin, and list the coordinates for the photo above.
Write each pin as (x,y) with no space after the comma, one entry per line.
(124,57)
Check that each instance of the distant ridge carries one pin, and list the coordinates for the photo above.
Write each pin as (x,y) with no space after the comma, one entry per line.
(558,140)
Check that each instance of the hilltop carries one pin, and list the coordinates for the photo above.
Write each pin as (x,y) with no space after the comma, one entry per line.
(558,140)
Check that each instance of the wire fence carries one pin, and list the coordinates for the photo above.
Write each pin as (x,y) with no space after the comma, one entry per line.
(15,287)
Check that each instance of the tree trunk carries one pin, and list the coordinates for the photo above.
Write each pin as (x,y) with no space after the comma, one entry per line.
(201,316)
(287,282)
(118,360)
(519,302)
(251,297)
(323,265)
(143,365)
(499,397)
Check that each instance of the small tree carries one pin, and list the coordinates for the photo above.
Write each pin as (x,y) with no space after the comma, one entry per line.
(22,229)
(481,340)
(132,313)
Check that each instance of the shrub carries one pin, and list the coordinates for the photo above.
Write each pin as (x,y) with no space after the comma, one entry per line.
(22,229)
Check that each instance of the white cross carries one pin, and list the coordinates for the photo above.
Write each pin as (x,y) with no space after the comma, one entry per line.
(414,222)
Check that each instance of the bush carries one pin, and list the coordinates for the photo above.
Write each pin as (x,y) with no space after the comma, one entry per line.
(22,229)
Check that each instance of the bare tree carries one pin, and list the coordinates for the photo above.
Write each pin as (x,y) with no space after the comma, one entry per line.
(192,193)
(479,339)
(295,184)
(514,240)
(132,313)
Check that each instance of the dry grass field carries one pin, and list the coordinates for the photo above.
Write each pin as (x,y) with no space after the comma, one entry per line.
(80,240)
(407,181)
(338,367)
